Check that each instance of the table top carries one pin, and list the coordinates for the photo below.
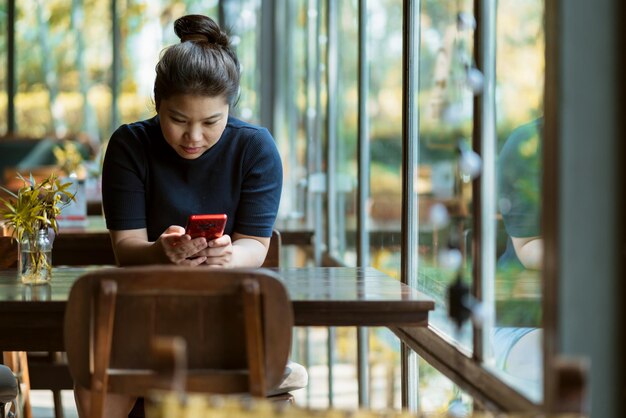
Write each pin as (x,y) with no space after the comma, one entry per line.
(32,316)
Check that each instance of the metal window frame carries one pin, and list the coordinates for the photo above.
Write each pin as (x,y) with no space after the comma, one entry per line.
(410,163)
(484,142)
(363,194)
(550,211)
(332,243)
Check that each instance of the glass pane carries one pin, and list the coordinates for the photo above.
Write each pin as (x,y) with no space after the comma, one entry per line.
(346,159)
(147,27)
(438,396)
(3,68)
(384,42)
(290,129)
(242,19)
(384,38)
(444,195)
(516,345)
(309,347)
(63,60)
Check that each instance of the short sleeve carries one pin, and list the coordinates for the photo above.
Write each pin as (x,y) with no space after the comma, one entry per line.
(261,187)
(124,181)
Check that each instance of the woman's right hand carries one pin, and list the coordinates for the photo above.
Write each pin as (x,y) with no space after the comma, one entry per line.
(178,247)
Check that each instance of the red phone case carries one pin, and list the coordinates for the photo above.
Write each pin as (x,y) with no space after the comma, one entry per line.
(208,226)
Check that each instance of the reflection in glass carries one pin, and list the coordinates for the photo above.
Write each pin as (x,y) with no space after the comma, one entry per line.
(516,338)
(41,292)
(439,396)
(443,181)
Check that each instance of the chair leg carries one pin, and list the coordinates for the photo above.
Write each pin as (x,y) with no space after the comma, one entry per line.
(58,404)
(56,358)
(105,315)
(18,362)
(282,397)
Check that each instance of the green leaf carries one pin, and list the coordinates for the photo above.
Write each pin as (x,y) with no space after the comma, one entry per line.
(8,191)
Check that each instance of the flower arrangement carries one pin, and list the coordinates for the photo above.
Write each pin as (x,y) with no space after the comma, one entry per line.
(30,213)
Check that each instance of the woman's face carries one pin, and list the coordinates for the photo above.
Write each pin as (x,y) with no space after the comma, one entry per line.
(193,124)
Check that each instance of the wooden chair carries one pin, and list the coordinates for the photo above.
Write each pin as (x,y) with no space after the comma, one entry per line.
(17,362)
(8,390)
(48,370)
(236,325)
(40,370)
(272,259)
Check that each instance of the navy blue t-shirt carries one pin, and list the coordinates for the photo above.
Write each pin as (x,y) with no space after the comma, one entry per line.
(146,184)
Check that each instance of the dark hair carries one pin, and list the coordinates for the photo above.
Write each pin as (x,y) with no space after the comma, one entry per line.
(203,63)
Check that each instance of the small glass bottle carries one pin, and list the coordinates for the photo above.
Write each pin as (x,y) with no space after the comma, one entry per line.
(35,261)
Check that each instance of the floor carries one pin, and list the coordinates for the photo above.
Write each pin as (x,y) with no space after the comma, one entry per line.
(43,407)
(315,396)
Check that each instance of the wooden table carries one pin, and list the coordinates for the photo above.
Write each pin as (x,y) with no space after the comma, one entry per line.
(93,243)
(31,317)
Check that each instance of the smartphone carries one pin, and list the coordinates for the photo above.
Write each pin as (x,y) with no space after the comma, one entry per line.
(207,226)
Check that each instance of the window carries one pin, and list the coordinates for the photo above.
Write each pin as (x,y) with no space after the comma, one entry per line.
(242,20)
(343,133)
(445,107)
(516,341)
(3,67)
(146,28)
(63,59)
(471,95)
(479,92)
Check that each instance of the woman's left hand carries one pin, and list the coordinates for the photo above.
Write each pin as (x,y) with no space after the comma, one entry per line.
(219,252)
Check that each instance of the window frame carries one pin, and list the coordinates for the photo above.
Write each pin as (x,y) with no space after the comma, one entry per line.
(463,368)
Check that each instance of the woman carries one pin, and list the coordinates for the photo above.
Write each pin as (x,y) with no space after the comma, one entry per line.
(191,158)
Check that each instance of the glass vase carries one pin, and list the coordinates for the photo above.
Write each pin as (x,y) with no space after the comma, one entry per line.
(35,258)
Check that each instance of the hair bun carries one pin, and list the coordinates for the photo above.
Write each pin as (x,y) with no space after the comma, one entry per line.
(198,37)
(200,28)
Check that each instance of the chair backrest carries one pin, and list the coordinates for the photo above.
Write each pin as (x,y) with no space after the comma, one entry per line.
(236,324)
(272,259)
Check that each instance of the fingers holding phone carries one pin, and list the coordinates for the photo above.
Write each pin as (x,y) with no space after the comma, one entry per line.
(210,227)
(179,248)
(219,252)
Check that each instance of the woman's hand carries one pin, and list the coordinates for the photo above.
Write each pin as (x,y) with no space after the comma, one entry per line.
(219,252)
(236,251)
(180,248)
